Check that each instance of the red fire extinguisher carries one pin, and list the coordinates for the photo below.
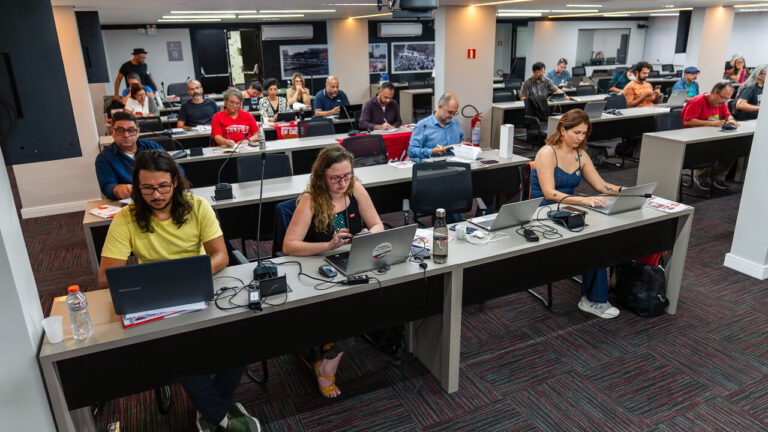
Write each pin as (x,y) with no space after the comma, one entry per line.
(474,124)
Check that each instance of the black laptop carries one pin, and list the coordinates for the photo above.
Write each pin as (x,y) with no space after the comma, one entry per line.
(162,284)
(287,116)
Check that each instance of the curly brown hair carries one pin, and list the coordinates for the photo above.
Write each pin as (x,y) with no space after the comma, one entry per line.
(181,205)
(568,121)
(318,185)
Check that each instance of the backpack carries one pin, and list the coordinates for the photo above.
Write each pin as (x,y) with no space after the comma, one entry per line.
(641,288)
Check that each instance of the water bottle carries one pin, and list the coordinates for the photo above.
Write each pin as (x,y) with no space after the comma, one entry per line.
(440,238)
(78,314)
(262,141)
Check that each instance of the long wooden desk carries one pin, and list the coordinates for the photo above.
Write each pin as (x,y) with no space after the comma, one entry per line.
(406,102)
(631,122)
(663,154)
(513,112)
(309,317)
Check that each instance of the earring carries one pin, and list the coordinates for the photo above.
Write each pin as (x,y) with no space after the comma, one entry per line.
(561,138)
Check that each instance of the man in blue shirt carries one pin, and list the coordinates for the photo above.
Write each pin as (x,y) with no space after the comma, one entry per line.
(688,82)
(432,135)
(114,165)
(330,100)
(559,75)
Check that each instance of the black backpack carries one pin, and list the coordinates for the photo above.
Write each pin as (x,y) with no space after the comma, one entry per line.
(641,288)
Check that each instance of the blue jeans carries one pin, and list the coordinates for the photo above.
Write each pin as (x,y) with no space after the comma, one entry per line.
(212,395)
(594,286)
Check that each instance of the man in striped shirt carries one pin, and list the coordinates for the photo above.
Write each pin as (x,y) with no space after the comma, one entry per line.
(434,134)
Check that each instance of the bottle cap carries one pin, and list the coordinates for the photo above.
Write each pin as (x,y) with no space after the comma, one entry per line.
(73,288)
(440,212)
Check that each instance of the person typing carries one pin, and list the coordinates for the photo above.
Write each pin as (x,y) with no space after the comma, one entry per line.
(688,82)
(198,110)
(559,75)
(434,134)
(381,112)
(334,208)
(329,100)
(165,221)
(538,84)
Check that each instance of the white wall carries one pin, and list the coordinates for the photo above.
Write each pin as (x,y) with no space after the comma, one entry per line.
(348,57)
(712,29)
(502,56)
(120,43)
(750,37)
(65,185)
(521,43)
(609,40)
(660,40)
(550,40)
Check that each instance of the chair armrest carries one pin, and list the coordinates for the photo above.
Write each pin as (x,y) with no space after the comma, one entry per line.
(536,119)
(239,257)
(481,207)
(406,210)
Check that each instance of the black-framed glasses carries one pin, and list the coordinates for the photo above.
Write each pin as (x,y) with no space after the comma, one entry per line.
(162,189)
(339,178)
(124,131)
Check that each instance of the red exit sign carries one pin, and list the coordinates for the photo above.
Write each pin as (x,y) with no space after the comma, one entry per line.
(471,53)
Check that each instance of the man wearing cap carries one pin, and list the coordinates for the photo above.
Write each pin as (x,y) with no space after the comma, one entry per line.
(688,82)
(137,65)
(559,75)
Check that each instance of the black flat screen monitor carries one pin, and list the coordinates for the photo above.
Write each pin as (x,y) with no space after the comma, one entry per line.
(578,71)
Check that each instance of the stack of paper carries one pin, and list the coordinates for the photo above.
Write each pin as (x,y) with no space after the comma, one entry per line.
(134,319)
(105,211)
(665,205)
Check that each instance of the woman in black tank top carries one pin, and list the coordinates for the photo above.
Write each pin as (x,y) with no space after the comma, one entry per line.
(334,208)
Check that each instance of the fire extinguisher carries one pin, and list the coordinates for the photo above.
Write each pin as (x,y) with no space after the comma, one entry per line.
(474,124)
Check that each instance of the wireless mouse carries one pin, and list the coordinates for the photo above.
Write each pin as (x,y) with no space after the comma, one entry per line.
(327,271)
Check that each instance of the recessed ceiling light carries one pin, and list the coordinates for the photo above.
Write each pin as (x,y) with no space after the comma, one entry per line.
(500,2)
(750,5)
(752,10)
(214,12)
(349,4)
(574,10)
(190,20)
(669,6)
(664,14)
(297,11)
(584,6)
(503,11)
(271,16)
(226,16)
(519,14)
(616,15)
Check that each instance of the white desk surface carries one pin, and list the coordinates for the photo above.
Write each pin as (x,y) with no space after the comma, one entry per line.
(706,133)
(626,114)
(276,146)
(578,99)
(417,91)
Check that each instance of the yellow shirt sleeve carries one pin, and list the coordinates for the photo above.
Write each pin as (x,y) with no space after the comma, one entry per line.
(119,244)
(209,224)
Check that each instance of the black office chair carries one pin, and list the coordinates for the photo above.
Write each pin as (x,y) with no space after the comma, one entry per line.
(503,96)
(413,85)
(356,120)
(177,89)
(316,127)
(654,74)
(615,102)
(368,150)
(586,90)
(276,165)
(676,118)
(283,215)
(441,184)
(610,60)
(604,85)
(149,124)
(537,110)
(663,122)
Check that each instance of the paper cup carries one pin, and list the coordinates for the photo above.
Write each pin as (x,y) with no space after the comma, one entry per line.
(54,329)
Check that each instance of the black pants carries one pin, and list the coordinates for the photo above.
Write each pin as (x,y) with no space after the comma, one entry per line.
(212,395)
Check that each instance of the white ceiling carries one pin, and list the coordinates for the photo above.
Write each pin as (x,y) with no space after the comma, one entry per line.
(148,11)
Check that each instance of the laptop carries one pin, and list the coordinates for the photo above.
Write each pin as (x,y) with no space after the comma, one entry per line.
(287,116)
(251,104)
(348,111)
(375,250)
(509,215)
(162,284)
(677,98)
(629,199)
(595,109)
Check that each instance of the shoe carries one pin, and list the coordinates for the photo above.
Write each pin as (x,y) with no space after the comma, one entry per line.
(703,185)
(243,423)
(720,184)
(326,391)
(603,310)
(204,425)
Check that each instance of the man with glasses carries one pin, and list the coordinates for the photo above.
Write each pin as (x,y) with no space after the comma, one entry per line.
(560,75)
(114,165)
(710,109)
(198,110)
(433,135)
(538,84)
(165,221)
(688,82)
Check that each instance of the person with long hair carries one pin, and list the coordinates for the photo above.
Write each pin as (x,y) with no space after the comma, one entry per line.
(739,72)
(165,221)
(557,171)
(298,91)
(273,104)
(139,104)
(334,208)
(749,95)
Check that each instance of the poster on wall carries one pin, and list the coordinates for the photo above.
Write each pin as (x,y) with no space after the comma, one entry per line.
(309,60)
(377,58)
(174,51)
(410,57)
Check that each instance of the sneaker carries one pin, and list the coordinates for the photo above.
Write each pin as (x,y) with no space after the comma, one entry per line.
(703,185)
(720,184)
(240,421)
(603,310)
(204,425)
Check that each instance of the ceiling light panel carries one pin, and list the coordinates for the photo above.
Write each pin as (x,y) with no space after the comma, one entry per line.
(270,16)
(224,16)
(297,11)
(215,12)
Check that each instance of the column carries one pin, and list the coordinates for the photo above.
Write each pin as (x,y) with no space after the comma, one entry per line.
(708,39)
(749,250)
(348,57)
(468,74)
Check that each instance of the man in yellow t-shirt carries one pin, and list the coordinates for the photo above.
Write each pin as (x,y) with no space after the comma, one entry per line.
(640,93)
(165,222)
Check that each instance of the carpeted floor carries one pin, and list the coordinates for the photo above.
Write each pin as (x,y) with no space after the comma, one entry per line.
(523,368)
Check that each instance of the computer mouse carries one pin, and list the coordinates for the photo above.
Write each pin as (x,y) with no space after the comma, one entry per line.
(729,127)
(327,271)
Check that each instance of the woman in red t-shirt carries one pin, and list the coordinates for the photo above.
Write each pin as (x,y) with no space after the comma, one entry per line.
(233,125)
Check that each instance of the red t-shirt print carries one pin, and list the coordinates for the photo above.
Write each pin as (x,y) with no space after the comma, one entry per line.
(235,129)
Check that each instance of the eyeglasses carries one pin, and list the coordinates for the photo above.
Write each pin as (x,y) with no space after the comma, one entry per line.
(124,131)
(163,190)
(450,113)
(234,103)
(339,178)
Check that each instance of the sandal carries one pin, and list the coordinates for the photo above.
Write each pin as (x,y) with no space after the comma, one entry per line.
(326,391)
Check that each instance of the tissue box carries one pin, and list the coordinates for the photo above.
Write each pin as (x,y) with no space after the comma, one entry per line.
(507,141)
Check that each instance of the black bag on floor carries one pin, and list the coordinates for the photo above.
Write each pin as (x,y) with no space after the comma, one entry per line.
(641,289)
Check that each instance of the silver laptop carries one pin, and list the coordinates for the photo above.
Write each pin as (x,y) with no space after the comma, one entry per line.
(630,198)
(372,251)
(677,98)
(509,215)
(595,109)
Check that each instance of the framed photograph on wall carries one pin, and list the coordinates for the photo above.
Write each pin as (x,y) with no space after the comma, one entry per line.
(377,58)
(413,57)
(309,60)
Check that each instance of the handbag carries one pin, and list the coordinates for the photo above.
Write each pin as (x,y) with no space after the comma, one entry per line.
(641,288)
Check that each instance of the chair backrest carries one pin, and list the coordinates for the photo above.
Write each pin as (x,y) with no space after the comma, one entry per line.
(149,124)
(585,90)
(316,127)
(503,96)
(525,181)
(441,184)
(368,150)
(654,74)
(676,118)
(663,121)
(177,89)
(615,102)
(604,84)
(537,106)
(513,85)
(610,60)
(356,121)
(283,214)
(276,165)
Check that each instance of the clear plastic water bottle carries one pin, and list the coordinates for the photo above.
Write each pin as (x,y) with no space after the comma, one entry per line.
(78,313)
(262,141)
(440,238)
